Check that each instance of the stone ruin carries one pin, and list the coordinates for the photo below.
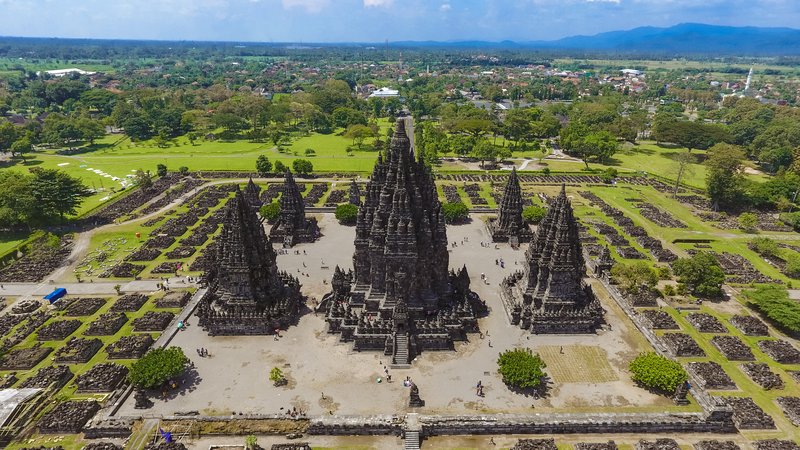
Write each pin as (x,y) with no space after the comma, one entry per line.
(400,298)
(68,417)
(105,377)
(706,323)
(57,330)
(733,348)
(8,380)
(291,446)
(252,194)
(161,445)
(24,358)
(775,444)
(610,445)
(174,299)
(247,295)
(292,226)
(79,307)
(749,325)
(659,320)
(509,226)
(102,446)
(107,324)
(130,347)
(535,444)
(47,376)
(791,408)
(26,306)
(749,416)
(414,401)
(153,321)
(24,330)
(681,344)
(716,445)
(142,401)
(123,270)
(711,375)
(554,298)
(658,444)
(129,303)
(78,350)
(761,374)
(781,351)
(354,194)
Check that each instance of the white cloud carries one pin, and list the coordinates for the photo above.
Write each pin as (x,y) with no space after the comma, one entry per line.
(312,6)
(445,7)
(377,3)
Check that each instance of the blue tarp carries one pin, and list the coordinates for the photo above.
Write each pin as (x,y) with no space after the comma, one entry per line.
(55,295)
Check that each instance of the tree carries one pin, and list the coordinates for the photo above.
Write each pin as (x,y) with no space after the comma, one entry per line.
(600,145)
(748,222)
(280,167)
(302,166)
(346,213)
(765,246)
(56,193)
(263,165)
(533,214)
(157,367)
(773,301)
(484,151)
(725,178)
(520,368)
(142,179)
(21,146)
(657,372)
(161,170)
(685,161)
(270,212)
(633,276)
(455,212)
(358,133)
(17,202)
(701,274)
(183,170)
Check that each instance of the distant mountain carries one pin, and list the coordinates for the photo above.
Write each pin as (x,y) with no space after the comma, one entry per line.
(685,38)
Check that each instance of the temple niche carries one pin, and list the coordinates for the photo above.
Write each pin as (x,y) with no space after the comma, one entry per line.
(550,295)
(292,226)
(247,295)
(400,297)
(509,226)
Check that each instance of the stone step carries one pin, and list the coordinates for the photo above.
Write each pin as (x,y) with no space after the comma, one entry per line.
(411,440)
(401,350)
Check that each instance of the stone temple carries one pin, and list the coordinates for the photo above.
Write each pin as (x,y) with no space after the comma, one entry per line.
(509,226)
(292,227)
(252,193)
(551,296)
(400,297)
(247,294)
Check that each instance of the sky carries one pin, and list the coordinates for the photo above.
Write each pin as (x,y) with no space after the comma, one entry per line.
(310,21)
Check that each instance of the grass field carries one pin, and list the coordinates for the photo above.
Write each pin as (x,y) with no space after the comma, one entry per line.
(577,364)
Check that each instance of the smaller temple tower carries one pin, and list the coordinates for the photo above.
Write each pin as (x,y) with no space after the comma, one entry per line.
(292,226)
(509,226)
(252,193)
(354,194)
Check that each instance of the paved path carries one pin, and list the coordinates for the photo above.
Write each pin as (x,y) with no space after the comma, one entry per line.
(101,288)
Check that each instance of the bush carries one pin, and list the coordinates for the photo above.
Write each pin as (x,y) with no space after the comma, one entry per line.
(183,170)
(161,170)
(700,274)
(455,212)
(521,368)
(270,212)
(302,166)
(546,171)
(608,175)
(276,376)
(280,167)
(347,214)
(633,276)
(533,214)
(792,268)
(157,367)
(669,290)
(310,152)
(764,246)
(748,222)
(792,220)
(657,372)
(773,301)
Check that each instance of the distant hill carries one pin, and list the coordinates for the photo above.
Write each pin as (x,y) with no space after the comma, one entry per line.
(686,38)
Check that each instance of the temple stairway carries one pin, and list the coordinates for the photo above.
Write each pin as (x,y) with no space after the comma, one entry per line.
(411,440)
(400,357)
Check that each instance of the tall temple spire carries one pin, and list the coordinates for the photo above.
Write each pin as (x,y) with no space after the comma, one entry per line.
(555,298)
(509,226)
(247,294)
(354,194)
(252,194)
(292,226)
(400,264)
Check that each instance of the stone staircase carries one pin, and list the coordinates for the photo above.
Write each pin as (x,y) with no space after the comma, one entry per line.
(411,440)
(400,357)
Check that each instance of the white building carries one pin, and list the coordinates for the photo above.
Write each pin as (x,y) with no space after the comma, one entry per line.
(62,72)
(385,92)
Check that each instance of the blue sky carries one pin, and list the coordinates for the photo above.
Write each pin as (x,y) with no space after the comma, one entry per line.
(373,20)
